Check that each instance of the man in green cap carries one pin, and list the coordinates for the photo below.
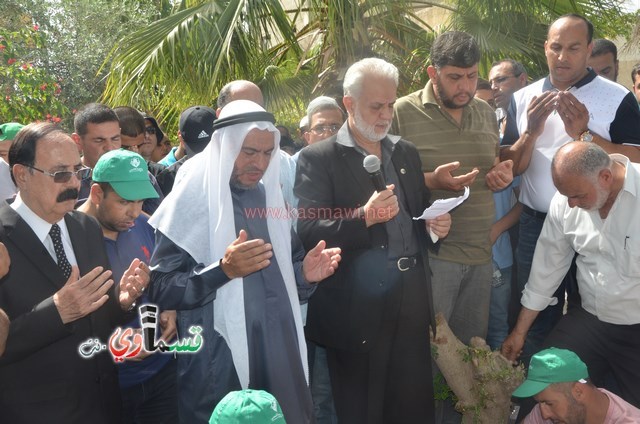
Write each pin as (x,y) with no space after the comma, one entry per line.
(7,134)
(120,186)
(558,381)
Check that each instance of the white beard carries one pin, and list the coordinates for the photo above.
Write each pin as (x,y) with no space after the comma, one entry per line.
(366,130)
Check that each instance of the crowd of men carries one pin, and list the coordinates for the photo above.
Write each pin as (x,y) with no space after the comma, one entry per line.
(305,273)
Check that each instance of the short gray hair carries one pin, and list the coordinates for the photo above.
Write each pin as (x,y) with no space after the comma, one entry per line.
(352,85)
(322,103)
(587,162)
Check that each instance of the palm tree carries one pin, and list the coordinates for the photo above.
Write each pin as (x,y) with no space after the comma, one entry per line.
(296,52)
(518,28)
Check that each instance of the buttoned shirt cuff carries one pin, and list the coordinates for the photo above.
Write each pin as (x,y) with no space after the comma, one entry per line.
(535,301)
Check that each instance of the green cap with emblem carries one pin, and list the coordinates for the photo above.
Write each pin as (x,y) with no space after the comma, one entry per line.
(551,366)
(127,173)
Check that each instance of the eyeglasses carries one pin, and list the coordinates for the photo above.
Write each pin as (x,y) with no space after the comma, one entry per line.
(150,130)
(65,176)
(501,80)
(323,129)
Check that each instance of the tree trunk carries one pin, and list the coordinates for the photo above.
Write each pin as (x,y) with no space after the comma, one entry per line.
(482,380)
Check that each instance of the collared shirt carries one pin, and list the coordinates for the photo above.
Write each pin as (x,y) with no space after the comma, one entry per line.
(608,254)
(612,115)
(401,238)
(473,142)
(41,228)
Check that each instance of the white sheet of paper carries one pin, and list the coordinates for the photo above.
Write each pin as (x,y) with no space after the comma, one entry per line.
(442,206)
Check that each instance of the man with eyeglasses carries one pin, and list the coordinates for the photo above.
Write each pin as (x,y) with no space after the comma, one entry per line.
(325,119)
(58,292)
(506,77)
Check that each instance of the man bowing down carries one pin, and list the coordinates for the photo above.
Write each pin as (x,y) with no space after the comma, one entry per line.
(227,260)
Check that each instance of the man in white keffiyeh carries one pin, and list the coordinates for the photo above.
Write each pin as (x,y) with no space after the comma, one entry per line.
(227,260)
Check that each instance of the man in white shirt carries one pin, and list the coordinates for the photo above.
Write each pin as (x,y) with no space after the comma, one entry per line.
(603,230)
(571,103)
(559,382)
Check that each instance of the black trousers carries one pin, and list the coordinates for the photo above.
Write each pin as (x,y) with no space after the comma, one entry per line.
(604,348)
(391,383)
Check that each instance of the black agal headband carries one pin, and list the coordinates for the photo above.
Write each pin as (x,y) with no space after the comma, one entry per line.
(243,118)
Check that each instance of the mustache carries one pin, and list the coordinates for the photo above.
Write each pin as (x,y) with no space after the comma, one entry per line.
(252,169)
(68,194)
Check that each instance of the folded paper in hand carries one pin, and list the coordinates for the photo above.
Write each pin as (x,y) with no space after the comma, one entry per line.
(442,206)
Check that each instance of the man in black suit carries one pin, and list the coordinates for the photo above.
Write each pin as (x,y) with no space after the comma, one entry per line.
(58,292)
(373,315)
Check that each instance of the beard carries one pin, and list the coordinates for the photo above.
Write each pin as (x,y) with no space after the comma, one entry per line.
(601,198)
(235,182)
(576,413)
(368,131)
(448,101)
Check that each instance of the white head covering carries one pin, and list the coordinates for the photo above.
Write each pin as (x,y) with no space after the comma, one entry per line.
(202,190)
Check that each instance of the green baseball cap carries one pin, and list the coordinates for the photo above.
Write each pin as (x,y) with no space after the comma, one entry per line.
(551,366)
(9,130)
(248,407)
(127,173)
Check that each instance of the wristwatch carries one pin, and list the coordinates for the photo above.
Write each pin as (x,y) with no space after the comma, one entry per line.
(586,136)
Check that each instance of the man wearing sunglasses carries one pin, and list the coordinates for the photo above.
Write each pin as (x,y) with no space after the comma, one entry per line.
(161,144)
(59,291)
(133,136)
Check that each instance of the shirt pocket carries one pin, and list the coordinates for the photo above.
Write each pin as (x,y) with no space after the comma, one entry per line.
(630,260)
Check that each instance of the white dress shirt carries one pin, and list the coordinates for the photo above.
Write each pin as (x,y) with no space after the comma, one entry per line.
(42,228)
(608,254)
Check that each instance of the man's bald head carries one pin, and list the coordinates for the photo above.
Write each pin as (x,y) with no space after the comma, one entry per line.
(239,90)
(584,173)
(573,18)
(579,158)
